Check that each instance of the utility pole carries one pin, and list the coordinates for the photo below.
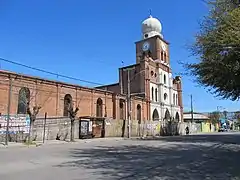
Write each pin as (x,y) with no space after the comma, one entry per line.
(129,108)
(44,127)
(9,109)
(129,104)
(191,109)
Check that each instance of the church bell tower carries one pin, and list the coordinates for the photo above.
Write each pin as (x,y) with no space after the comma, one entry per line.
(152,43)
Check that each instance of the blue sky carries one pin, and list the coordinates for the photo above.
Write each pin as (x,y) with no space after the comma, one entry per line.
(89,39)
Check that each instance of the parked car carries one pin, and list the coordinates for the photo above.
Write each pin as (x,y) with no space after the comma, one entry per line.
(222,129)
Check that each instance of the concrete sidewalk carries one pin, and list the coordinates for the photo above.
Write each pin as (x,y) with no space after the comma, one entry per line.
(55,142)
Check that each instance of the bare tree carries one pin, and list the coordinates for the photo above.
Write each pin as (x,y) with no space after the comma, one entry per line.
(32,116)
(72,115)
(25,98)
(214,117)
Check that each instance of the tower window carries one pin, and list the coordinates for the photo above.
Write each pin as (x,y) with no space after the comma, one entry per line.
(162,58)
(152,73)
(174,99)
(165,57)
(156,95)
(152,93)
(165,96)
(146,35)
(164,79)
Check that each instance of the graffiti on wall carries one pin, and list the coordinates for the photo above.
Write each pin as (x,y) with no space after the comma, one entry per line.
(17,123)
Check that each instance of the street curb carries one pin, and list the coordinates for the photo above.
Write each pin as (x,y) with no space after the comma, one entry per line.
(55,142)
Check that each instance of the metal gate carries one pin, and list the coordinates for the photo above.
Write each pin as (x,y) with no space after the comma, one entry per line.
(85,129)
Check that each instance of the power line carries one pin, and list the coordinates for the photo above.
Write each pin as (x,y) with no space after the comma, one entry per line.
(49,72)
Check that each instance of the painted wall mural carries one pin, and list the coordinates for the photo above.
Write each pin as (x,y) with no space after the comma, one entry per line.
(17,124)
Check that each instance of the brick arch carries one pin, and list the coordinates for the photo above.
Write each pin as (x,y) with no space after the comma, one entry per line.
(99,108)
(139,113)
(23,100)
(67,104)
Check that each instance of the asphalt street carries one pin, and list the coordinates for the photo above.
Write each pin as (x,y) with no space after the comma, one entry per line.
(196,157)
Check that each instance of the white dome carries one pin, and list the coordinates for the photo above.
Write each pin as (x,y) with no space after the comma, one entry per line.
(151,27)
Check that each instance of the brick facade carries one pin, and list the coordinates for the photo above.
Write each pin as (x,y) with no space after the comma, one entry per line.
(50,96)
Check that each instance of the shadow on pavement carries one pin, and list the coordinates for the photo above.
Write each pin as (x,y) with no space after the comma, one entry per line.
(161,160)
(225,138)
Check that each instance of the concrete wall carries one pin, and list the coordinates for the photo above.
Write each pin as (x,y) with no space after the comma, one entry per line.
(209,127)
(58,126)
(193,128)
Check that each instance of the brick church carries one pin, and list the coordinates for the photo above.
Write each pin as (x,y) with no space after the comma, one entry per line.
(155,94)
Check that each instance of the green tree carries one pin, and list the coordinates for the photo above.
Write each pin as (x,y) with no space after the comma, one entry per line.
(217,46)
(237,117)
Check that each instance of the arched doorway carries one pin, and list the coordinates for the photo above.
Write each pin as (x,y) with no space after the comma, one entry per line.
(99,108)
(155,115)
(67,104)
(177,117)
(139,113)
(167,115)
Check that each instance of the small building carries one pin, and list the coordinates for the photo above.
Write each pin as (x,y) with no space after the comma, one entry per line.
(201,120)
(197,117)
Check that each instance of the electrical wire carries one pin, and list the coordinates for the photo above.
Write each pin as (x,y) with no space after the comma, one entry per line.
(49,72)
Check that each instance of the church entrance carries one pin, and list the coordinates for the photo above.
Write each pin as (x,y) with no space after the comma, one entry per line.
(155,115)
(167,115)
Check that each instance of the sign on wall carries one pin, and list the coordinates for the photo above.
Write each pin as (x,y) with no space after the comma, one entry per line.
(17,123)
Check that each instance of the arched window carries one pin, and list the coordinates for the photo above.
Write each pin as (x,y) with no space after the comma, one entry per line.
(152,73)
(156,94)
(139,113)
(165,57)
(174,99)
(164,79)
(122,109)
(99,108)
(162,58)
(67,104)
(165,96)
(23,100)
(152,93)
